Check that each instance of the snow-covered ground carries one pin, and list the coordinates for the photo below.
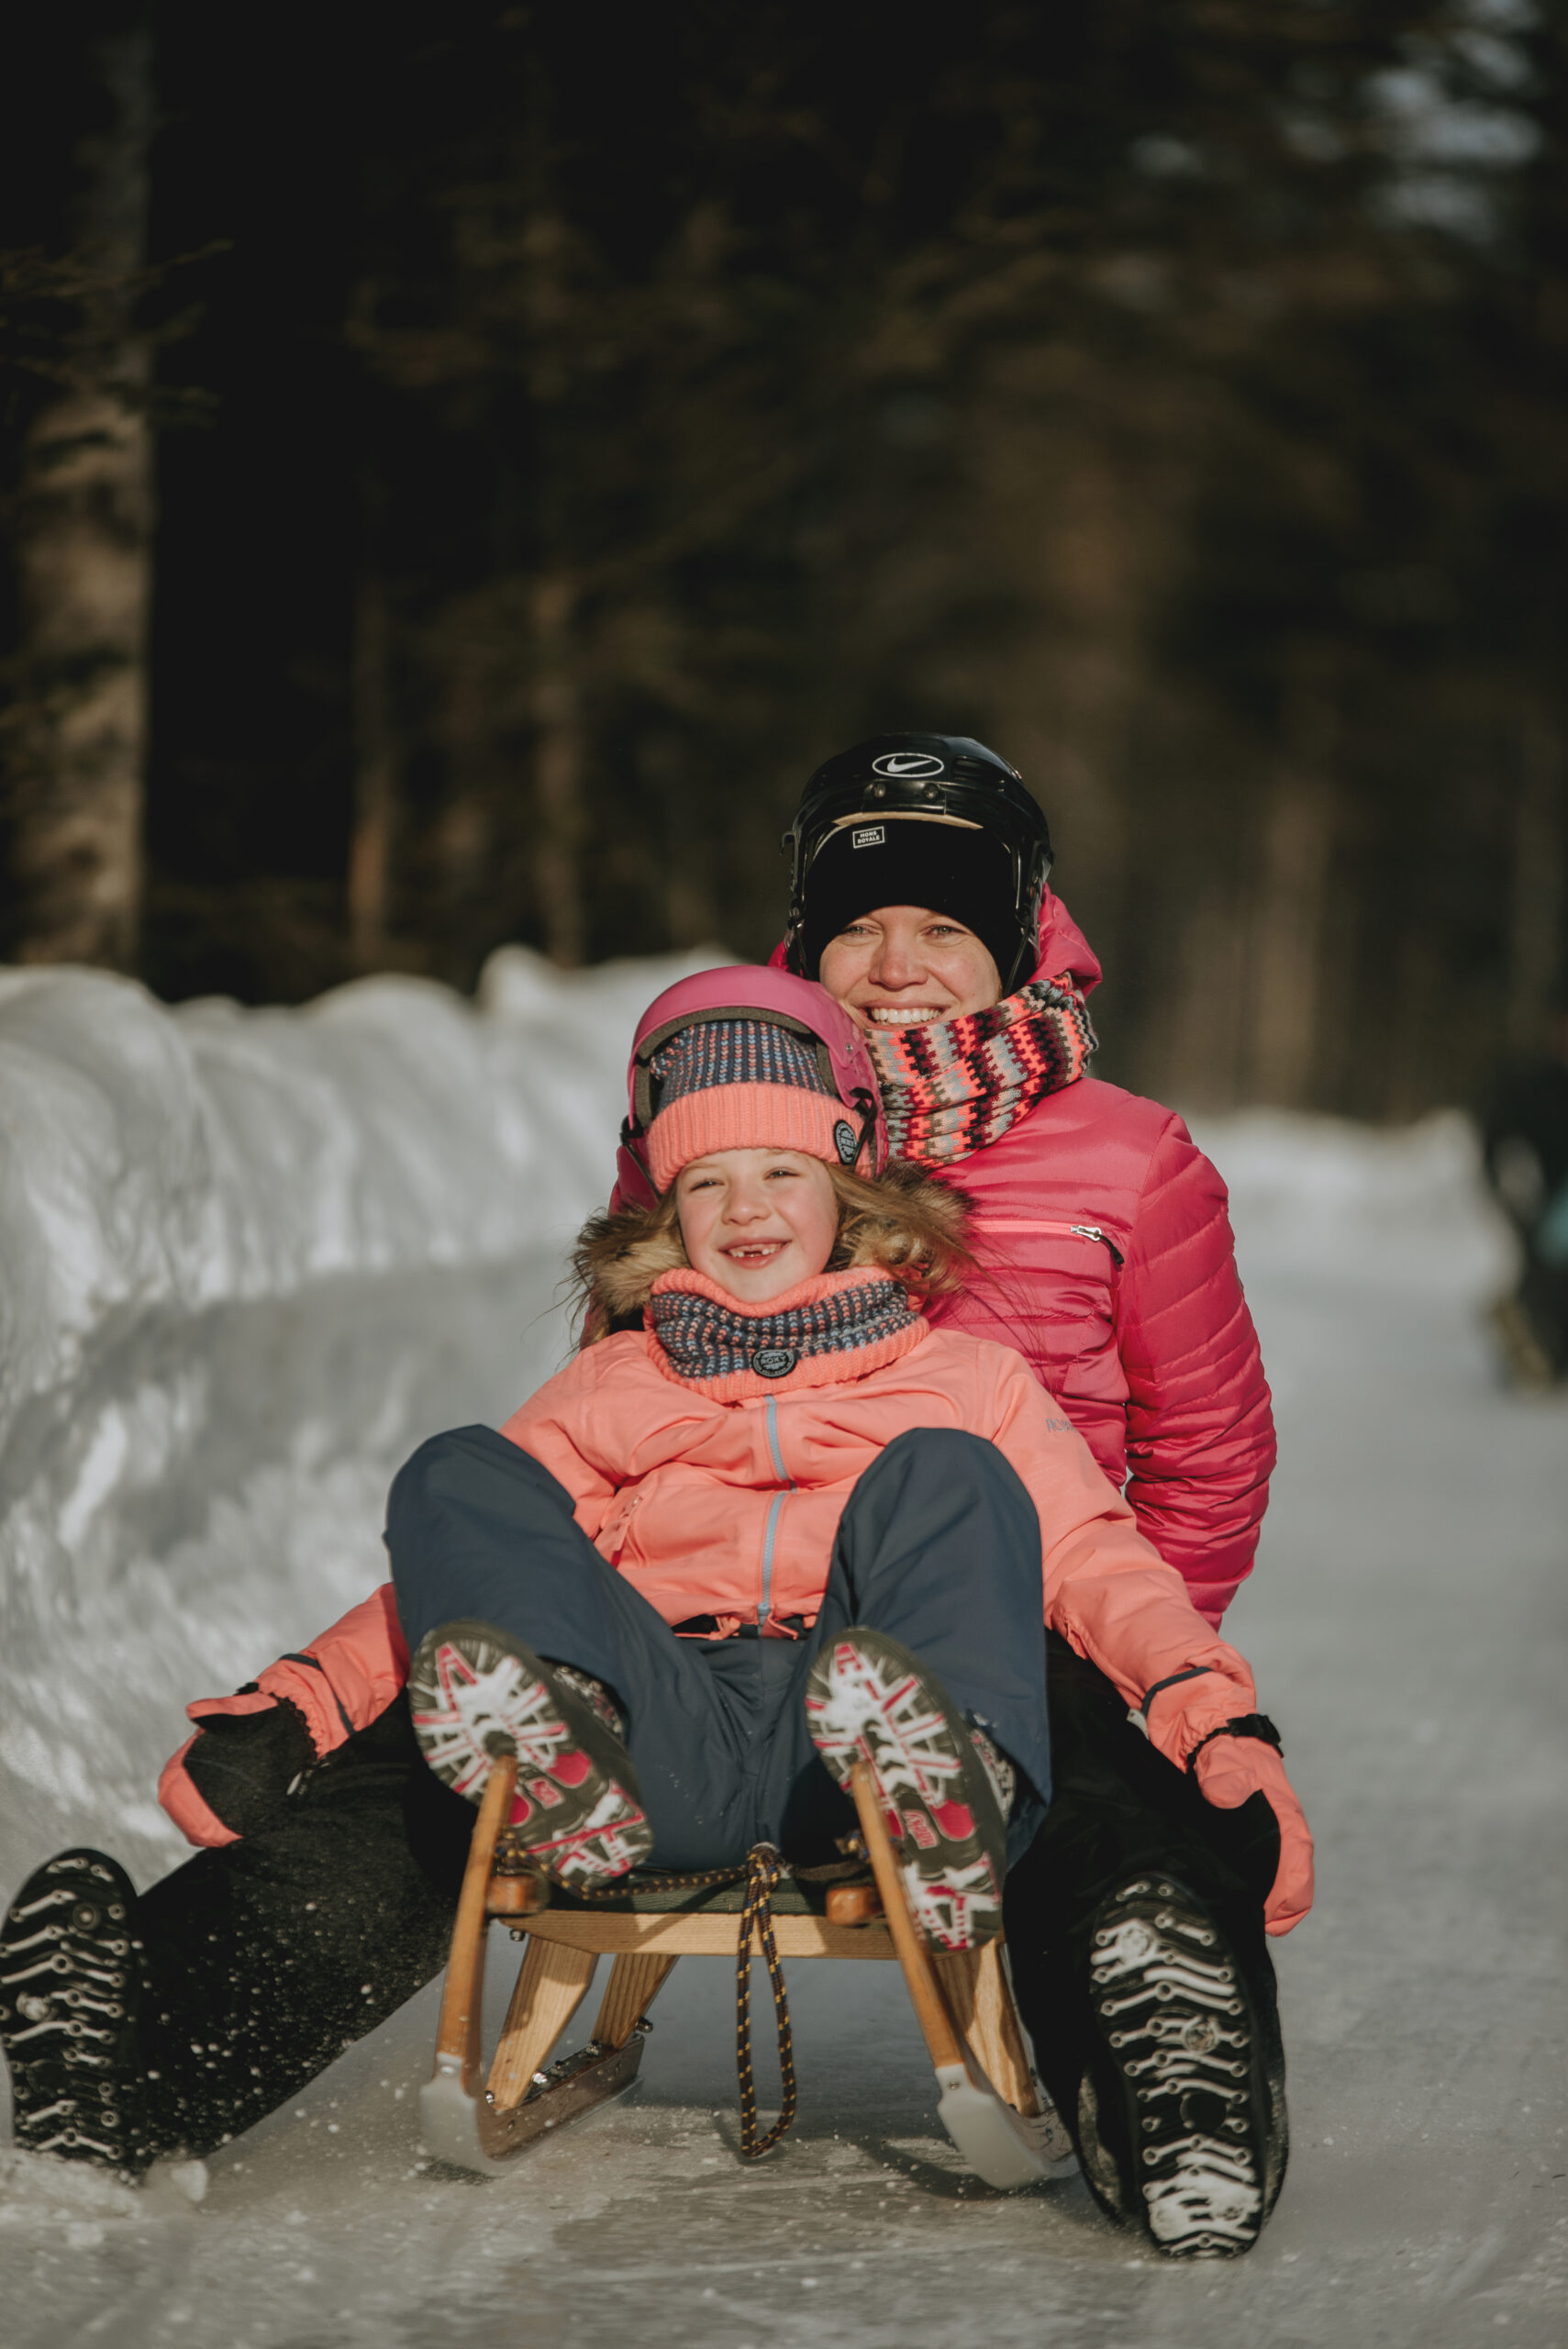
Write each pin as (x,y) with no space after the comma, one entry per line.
(247,1259)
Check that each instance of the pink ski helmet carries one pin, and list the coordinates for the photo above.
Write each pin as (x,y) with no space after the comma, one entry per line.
(741,1056)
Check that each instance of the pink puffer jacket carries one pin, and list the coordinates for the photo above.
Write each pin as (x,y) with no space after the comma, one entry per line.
(1104,1242)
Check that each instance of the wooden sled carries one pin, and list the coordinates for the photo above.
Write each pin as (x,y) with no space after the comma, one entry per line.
(991,2103)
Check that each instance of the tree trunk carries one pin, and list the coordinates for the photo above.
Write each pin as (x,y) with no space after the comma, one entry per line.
(1287,936)
(1287,940)
(1536,970)
(1199,1022)
(560,815)
(78,722)
(370,848)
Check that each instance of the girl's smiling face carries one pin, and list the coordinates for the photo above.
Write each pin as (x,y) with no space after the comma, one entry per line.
(757,1221)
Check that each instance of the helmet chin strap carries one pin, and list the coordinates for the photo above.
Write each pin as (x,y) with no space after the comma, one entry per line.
(1022,970)
(867,1105)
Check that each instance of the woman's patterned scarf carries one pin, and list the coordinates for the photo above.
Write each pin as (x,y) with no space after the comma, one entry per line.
(951,1087)
(707,1336)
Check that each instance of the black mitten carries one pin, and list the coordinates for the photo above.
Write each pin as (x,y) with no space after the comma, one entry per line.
(242,1764)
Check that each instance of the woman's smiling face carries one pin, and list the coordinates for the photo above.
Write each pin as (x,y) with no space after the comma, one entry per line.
(905,967)
(757,1221)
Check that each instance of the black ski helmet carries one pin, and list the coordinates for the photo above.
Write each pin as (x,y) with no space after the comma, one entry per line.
(949,777)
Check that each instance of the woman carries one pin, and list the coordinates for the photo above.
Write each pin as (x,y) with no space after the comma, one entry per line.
(919,900)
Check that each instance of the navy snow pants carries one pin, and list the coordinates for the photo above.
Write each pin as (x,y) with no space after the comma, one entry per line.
(938,1545)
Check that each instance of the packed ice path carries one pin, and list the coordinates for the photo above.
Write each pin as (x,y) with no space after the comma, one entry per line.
(247,1260)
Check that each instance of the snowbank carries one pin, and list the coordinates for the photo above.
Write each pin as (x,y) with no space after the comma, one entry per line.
(247,1259)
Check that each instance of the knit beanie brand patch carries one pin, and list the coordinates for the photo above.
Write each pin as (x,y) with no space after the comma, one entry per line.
(910,861)
(741,1084)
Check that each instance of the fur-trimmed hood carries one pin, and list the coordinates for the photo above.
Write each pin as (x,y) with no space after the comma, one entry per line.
(903,1222)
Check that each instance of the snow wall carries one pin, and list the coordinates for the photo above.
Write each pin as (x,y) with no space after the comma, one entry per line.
(249,1259)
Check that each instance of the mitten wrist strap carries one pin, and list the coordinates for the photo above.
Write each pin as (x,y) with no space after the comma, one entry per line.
(1256,1725)
(1138,1716)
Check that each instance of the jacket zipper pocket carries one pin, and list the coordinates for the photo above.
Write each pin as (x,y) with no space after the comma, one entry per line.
(620,1528)
(1062,1230)
(771,1536)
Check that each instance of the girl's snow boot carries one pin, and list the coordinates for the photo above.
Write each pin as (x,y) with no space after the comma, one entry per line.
(1181,2112)
(944,1788)
(71,1985)
(476,1693)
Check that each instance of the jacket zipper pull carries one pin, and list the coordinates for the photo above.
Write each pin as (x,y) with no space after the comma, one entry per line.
(1093,1231)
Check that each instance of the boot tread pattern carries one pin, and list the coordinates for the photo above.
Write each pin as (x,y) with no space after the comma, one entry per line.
(1171,2007)
(475,1698)
(70,1987)
(867,1701)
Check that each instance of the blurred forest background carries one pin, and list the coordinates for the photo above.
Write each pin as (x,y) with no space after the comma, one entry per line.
(466,464)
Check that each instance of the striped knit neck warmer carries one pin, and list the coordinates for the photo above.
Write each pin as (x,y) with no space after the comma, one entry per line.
(951,1087)
(833,1327)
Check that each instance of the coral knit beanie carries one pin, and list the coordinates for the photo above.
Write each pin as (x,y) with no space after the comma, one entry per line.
(741,1084)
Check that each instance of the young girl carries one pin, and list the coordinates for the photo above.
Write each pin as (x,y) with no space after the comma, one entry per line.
(766,1522)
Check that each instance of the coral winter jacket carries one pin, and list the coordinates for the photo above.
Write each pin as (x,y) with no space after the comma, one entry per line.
(727,1504)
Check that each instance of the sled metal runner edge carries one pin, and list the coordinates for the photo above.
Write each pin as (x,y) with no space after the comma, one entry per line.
(479,2119)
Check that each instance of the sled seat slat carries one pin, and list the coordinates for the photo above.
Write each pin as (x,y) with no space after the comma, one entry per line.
(709,1933)
(525,1895)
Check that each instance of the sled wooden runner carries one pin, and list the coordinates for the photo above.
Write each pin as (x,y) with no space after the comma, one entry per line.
(991,2103)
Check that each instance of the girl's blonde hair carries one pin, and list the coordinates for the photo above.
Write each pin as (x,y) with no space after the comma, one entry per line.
(899,1220)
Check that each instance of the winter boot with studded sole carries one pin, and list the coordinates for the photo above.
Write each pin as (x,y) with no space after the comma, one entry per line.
(1181,2116)
(869,1699)
(70,1986)
(476,1693)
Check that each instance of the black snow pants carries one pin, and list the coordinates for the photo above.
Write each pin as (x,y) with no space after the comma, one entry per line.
(266,1959)
(1119,1812)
